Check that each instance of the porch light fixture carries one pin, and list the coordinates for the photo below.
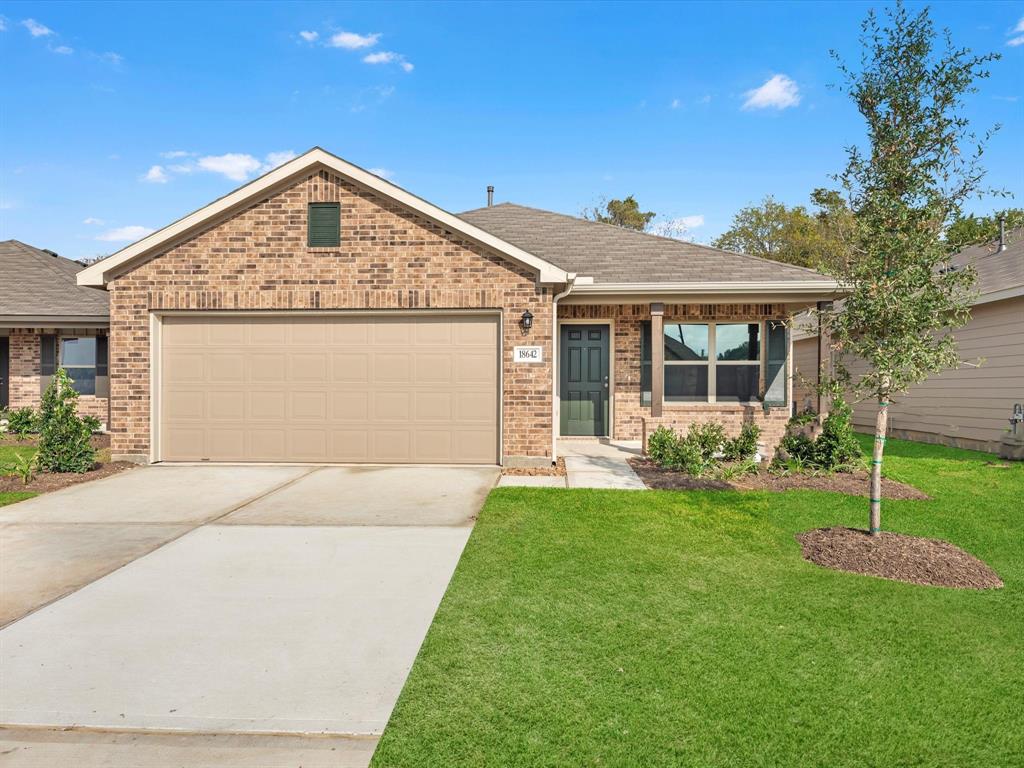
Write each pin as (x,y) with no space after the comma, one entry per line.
(526,321)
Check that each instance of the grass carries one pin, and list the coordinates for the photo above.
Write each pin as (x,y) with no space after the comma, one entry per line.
(11,497)
(616,628)
(8,453)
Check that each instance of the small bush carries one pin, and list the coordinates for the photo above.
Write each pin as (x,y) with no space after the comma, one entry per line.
(64,442)
(799,447)
(22,421)
(836,446)
(92,423)
(802,418)
(23,466)
(744,446)
(707,438)
(661,445)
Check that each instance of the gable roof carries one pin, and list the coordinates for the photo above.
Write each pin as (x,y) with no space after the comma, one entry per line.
(37,284)
(103,271)
(1000,273)
(619,257)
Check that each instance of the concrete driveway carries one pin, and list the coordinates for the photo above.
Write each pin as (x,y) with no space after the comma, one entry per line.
(222,602)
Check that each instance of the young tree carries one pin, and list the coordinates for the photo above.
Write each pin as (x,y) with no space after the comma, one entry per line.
(920,164)
(64,438)
(622,213)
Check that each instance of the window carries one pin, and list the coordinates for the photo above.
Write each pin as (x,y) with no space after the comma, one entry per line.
(324,225)
(715,362)
(78,358)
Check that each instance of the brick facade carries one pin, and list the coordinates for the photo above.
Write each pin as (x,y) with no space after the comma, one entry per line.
(389,258)
(25,388)
(629,415)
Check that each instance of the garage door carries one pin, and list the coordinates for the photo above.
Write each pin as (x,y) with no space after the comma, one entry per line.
(398,389)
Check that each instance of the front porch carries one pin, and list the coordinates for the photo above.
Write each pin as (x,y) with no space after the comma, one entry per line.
(728,363)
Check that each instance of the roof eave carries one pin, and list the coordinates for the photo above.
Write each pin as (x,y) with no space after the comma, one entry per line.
(100,273)
(774,291)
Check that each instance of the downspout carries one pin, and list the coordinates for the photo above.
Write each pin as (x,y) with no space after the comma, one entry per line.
(554,365)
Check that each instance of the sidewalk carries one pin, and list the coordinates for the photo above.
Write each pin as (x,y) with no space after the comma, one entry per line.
(589,464)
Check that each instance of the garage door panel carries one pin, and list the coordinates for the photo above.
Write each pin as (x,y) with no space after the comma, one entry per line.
(346,389)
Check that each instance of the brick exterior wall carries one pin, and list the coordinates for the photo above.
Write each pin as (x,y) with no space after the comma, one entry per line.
(630,416)
(25,389)
(389,258)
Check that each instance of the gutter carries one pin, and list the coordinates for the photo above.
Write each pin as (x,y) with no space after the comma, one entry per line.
(555,420)
(789,286)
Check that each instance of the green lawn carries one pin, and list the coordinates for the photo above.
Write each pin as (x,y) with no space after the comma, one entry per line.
(7,455)
(616,628)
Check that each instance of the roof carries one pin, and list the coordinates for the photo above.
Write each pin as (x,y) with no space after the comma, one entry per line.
(617,256)
(1000,273)
(103,271)
(38,284)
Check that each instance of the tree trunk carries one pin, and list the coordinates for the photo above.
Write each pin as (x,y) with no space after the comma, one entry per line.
(881,424)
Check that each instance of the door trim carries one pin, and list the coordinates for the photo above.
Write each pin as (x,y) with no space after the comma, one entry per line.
(156,330)
(556,367)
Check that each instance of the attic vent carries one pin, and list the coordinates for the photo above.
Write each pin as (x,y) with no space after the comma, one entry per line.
(324,229)
(52,253)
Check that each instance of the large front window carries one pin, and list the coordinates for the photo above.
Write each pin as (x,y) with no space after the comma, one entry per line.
(707,362)
(78,358)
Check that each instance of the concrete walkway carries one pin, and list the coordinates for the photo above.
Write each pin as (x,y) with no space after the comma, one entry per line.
(261,601)
(589,464)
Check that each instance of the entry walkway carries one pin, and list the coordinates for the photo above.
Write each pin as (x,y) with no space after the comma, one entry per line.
(590,464)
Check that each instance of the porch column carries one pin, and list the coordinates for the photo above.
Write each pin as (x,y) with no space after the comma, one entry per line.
(657,358)
(824,359)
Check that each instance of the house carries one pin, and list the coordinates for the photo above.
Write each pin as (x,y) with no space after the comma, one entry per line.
(322,314)
(968,407)
(47,321)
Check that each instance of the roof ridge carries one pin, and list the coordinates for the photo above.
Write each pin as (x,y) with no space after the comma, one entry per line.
(628,232)
(42,256)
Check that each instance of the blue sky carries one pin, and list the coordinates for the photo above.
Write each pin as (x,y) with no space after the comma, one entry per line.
(118,118)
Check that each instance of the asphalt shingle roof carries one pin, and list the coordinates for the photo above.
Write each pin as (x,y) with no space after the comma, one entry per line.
(33,282)
(613,254)
(996,270)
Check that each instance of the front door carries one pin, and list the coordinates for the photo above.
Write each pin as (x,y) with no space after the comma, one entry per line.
(583,384)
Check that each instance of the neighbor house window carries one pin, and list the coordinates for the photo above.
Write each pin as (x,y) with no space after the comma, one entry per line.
(78,358)
(324,225)
(707,362)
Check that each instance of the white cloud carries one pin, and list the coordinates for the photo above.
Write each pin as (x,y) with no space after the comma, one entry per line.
(388,57)
(675,104)
(678,228)
(234,165)
(352,41)
(1013,42)
(384,173)
(778,92)
(3,23)
(112,58)
(1020,26)
(174,154)
(63,50)
(181,168)
(275,159)
(309,37)
(124,234)
(93,221)
(155,175)
(36,29)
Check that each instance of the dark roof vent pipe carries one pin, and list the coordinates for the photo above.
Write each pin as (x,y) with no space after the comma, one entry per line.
(1002,234)
(52,253)
(490,195)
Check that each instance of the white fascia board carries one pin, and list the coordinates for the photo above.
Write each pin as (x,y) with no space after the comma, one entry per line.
(814,287)
(100,273)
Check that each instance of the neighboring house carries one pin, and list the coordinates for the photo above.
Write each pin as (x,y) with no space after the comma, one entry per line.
(968,407)
(48,321)
(321,313)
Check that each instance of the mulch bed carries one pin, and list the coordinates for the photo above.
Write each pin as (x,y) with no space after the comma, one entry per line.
(44,482)
(898,557)
(852,483)
(558,470)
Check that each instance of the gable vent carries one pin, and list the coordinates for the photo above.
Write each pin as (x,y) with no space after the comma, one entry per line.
(324,225)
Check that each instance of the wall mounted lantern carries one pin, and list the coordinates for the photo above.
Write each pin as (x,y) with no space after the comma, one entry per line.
(526,321)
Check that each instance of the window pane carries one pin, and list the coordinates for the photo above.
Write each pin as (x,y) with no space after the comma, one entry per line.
(686,383)
(686,342)
(645,342)
(78,351)
(736,382)
(83,380)
(738,341)
(775,370)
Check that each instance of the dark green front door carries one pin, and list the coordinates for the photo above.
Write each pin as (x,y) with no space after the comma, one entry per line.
(583,386)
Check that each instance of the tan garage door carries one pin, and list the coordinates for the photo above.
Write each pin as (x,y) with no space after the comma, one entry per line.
(398,389)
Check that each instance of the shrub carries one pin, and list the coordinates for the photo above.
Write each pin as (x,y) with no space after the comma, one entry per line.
(707,438)
(799,447)
(22,421)
(744,446)
(804,417)
(23,466)
(661,445)
(64,442)
(836,446)
(92,423)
